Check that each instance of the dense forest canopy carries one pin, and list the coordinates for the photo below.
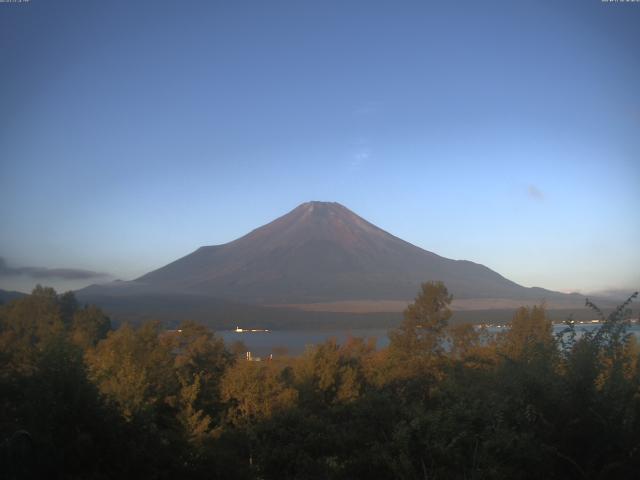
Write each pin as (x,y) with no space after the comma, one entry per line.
(79,399)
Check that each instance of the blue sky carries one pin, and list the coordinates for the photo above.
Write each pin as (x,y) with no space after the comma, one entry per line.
(507,133)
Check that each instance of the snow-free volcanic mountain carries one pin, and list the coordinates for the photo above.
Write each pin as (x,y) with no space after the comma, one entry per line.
(320,252)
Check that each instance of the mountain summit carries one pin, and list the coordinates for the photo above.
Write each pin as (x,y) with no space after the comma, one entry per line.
(320,252)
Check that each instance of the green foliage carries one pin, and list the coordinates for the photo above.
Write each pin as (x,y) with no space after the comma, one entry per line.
(464,340)
(46,397)
(418,344)
(530,336)
(132,368)
(28,325)
(328,373)
(424,324)
(255,391)
(88,326)
(79,400)
(200,357)
(195,422)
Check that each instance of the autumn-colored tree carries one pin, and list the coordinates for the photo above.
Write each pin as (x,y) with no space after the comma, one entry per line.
(439,402)
(464,339)
(256,390)
(27,326)
(530,336)
(418,343)
(329,373)
(88,326)
(133,368)
(195,422)
(200,362)
(425,320)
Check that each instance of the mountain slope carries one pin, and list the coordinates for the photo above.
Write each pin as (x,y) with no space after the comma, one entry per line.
(7,296)
(320,252)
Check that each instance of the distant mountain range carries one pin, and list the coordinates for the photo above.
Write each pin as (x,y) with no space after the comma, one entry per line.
(320,257)
(6,296)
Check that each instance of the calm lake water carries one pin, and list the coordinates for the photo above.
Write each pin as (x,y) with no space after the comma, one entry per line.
(264,343)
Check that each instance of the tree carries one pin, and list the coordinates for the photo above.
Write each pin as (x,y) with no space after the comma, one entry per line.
(425,320)
(68,307)
(134,369)
(328,374)
(255,391)
(89,325)
(28,325)
(529,337)
(464,340)
(195,422)
(200,362)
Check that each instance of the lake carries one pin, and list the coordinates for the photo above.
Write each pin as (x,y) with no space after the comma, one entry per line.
(295,341)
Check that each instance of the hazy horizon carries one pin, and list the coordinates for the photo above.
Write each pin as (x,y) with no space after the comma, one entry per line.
(503,133)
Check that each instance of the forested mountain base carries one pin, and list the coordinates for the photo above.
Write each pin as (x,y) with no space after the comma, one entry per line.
(80,400)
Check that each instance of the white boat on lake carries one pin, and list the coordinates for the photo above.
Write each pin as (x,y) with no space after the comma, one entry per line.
(250,330)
